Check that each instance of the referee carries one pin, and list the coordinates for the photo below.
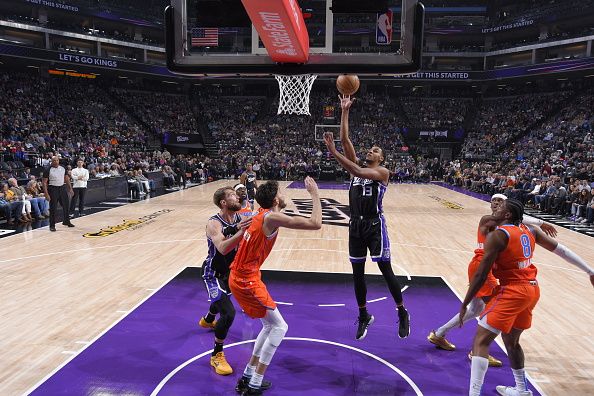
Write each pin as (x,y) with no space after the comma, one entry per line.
(55,181)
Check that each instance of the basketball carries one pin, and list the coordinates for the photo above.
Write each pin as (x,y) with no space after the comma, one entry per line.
(347,84)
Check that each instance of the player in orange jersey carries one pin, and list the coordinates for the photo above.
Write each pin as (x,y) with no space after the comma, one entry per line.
(224,232)
(246,208)
(508,253)
(246,283)
(477,305)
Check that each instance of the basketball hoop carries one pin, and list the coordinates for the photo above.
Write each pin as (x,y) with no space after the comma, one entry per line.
(294,93)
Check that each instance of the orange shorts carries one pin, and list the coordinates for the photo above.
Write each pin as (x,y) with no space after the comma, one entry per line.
(251,294)
(491,283)
(511,307)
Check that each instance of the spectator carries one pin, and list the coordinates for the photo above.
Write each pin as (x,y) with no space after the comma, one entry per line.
(12,207)
(80,177)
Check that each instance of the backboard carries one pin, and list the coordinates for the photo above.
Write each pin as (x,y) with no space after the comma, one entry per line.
(320,129)
(363,37)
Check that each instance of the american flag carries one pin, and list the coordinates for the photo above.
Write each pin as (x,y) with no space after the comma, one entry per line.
(205,37)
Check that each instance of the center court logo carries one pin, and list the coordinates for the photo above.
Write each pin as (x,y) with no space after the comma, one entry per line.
(446,203)
(333,212)
(129,225)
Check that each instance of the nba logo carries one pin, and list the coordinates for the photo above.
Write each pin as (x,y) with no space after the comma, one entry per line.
(383,30)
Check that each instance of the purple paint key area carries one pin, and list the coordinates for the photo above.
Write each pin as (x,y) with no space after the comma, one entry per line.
(160,349)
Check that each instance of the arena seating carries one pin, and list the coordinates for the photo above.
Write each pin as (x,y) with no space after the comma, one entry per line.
(515,141)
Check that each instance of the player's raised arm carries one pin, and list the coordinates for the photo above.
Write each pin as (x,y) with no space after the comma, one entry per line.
(345,140)
(547,228)
(314,222)
(562,251)
(378,173)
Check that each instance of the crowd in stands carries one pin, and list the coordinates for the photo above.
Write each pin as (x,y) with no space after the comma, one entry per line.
(36,110)
(551,168)
(536,147)
(285,146)
(501,120)
(160,111)
(72,118)
(429,113)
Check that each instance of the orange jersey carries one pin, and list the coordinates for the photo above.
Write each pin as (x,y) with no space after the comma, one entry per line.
(490,283)
(514,264)
(246,212)
(479,252)
(254,248)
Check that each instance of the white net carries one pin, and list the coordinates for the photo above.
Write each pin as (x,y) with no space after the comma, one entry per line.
(294,93)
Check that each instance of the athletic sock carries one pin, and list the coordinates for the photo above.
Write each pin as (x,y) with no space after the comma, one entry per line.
(520,377)
(249,371)
(454,322)
(477,375)
(217,348)
(256,380)
(442,331)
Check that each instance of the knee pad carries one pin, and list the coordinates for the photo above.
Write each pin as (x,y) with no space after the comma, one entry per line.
(274,339)
(277,333)
(266,327)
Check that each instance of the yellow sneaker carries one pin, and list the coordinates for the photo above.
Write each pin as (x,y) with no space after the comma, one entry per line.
(206,325)
(220,364)
(440,342)
(492,361)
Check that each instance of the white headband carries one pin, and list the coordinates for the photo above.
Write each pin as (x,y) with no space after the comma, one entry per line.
(501,196)
(237,187)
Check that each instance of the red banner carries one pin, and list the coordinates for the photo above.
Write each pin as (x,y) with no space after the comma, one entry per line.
(281,27)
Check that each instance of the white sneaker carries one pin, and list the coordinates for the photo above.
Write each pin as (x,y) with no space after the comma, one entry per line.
(511,391)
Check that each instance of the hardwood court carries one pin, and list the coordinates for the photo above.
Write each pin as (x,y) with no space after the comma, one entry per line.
(61,290)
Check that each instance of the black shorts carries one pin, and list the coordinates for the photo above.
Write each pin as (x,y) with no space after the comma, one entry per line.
(368,234)
(251,195)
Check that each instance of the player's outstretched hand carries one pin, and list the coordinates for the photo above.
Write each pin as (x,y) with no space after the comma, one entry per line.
(311,186)
(346,101)
(245,223)
(549,230)
(329,140)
